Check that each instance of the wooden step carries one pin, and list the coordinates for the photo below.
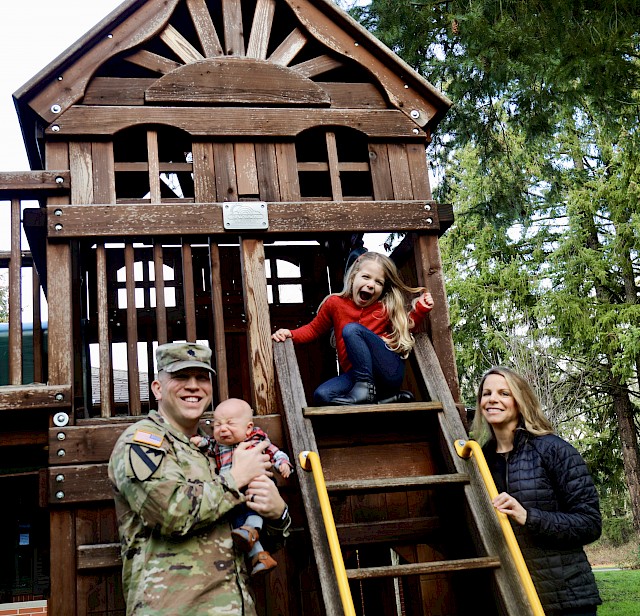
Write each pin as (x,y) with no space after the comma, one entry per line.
(355,409)
(388,531)
(397,484)
(442,566)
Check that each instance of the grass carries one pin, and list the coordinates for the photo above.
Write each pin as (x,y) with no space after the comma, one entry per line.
(620,592)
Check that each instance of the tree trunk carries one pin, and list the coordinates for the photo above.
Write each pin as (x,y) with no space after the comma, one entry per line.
(629,443)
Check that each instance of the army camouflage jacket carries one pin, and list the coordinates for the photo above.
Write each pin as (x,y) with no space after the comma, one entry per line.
(177,552)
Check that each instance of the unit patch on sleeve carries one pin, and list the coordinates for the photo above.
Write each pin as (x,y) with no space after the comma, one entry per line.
(144,461)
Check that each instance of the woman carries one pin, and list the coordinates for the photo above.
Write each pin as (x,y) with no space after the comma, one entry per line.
(544,488)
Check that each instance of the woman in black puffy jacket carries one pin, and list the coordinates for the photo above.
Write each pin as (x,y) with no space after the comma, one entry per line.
(544,488)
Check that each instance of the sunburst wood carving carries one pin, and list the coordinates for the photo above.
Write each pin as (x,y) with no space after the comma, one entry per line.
(219,63)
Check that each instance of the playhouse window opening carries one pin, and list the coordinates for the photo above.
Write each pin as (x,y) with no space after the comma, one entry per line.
(282,285)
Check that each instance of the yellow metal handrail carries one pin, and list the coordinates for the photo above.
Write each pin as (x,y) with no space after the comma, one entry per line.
(310,460)
(464,450)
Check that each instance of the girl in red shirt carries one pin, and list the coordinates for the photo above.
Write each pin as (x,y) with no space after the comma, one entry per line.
(372,328)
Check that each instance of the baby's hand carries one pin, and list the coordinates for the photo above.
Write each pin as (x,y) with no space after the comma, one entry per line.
(284,468)
(426,299)
(199,441)
(281,335)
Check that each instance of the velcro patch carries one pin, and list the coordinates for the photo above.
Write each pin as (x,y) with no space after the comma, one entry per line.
(144,461)
(148,438)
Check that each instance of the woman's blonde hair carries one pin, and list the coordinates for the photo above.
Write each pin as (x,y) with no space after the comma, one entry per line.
(527,404)
(393,298)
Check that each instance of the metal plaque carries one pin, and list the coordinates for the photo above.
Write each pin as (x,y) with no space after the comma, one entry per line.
(245,215)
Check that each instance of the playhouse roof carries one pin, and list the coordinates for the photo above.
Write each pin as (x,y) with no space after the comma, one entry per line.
(186,46)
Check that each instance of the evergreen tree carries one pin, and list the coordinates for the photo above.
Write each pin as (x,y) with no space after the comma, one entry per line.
(540,156)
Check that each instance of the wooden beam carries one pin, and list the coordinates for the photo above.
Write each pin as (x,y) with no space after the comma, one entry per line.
(24,397)
(98,556)
(233,122)
(204,28)
(198,219)
(79,484)
(33,184)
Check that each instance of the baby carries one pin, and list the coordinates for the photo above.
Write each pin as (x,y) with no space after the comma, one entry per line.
(233,424)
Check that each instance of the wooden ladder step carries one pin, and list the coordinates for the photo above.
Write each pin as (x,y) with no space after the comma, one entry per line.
(397,484)
(355,409)
(443,566)
(388,531)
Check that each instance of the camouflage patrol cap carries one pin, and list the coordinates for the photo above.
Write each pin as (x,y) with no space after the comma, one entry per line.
(176,356)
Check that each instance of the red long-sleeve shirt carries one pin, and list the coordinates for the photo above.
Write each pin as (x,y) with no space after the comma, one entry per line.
(337,311)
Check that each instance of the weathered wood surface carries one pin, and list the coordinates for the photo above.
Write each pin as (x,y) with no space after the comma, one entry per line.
(409,530)
(33,184)
(233,122)
(443,566)
(198,219)
(15,295)
(24,397)
(302,439)
(205,28)
(79,484)
(256,307)
(397,483)
(404,407)
(261,29)
(98,556)
(236,80)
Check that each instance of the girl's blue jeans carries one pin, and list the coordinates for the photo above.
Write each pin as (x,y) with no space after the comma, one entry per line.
(371,362)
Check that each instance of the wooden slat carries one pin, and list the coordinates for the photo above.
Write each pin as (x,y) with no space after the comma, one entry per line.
(317,66)
(33,184)
(345,95)
(233,122)
(431,275)
(288,179)
(246,170)
(284,217)
(256,305)
(224,81)
(334,173)
(204,28)
(188,292)
(267,171)
(104,333)
(233,28)
(63,553)
(323,411)
(261,29)
(180,45)
(380,171)
(400,175)
(388,532)
(225,169)
(302,439)
(161,309)
(419,170)
(132,332)
(289,48)
(24,397)
(152,61)
(153,166)
(397,483)
(79,484)
(38,338)
(219,349)
(443,566)
(59,286)
(98,556)
(15,295)
(117,90)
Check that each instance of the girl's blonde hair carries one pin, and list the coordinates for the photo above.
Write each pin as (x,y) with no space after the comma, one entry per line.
(393,298)
(527,404)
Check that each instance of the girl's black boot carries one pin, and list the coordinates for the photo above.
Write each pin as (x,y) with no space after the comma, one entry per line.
(362,392)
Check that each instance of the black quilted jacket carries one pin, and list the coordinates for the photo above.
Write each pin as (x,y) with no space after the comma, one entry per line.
(549,478)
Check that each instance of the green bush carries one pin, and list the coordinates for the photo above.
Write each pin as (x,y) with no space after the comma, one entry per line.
(617,530)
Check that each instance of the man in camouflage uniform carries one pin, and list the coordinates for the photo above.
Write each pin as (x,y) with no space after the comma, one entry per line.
(177,553)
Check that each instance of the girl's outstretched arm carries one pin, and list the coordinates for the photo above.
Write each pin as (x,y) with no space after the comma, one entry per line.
(281,335)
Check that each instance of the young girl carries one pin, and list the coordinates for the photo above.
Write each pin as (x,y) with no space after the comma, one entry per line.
(372,330)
